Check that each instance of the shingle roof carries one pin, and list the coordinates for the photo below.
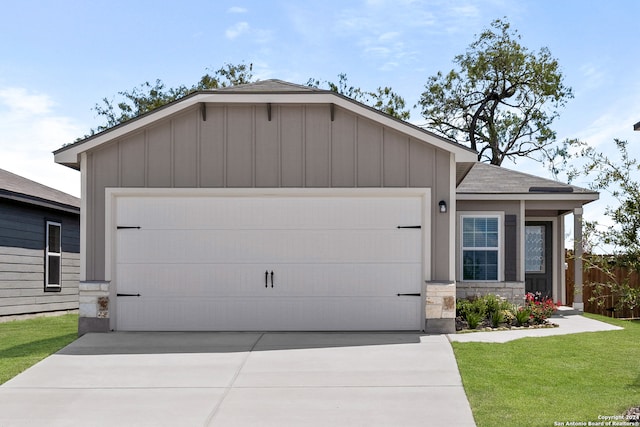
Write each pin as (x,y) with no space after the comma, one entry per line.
(16,187)
(489,179)
(272,85)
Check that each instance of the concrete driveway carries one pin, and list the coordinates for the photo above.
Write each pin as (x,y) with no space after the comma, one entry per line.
(241,379)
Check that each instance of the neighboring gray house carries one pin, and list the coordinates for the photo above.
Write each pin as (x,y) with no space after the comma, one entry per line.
(39,247)
(274,206)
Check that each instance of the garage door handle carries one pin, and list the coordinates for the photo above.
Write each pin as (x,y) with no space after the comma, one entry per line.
(272,279)
(266,279)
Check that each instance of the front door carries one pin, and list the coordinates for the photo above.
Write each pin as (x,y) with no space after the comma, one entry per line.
(538,257)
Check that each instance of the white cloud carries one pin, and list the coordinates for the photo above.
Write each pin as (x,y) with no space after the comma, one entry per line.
(237,9)
(29,131)
(20,101)
(592,77)
(389,66)
(467,11)
(379,51)
(386,37)
(237,30)
(256,35)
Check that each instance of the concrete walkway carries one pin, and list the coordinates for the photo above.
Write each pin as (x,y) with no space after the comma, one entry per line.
(569,324)
(242,379)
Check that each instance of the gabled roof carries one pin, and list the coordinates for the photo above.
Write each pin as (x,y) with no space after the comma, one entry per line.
(636,126)
(500,183)
(265,92)
(16,187)
(272,85)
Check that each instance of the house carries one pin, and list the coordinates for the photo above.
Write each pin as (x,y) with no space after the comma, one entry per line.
(274,206)
(529,253)
(39,247)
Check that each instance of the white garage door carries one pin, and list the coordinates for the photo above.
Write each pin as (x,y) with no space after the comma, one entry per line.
(269,263)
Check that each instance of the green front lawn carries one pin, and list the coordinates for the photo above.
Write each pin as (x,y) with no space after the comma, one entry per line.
(23,343)
(553,380)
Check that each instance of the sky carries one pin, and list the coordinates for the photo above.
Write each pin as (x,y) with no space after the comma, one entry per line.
(59,58)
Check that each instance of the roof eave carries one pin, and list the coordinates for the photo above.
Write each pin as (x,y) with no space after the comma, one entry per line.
(36,201)
(584,197)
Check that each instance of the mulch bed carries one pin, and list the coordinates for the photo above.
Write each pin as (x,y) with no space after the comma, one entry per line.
(485,325)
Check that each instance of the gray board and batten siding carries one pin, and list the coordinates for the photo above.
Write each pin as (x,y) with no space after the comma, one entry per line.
(22,257)
(266,146)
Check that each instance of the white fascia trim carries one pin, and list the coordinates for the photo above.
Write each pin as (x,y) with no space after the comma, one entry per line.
(586,197)
(521,226)
(71,155)
(83,217)
(427,211)
(266,192)
(452,218)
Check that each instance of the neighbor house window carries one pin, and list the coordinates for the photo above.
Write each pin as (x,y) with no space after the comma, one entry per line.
(53,257)
(480,247)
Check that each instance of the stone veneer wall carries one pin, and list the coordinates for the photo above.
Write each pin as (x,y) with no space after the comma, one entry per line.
(94,307)
(440,308)
(512,291)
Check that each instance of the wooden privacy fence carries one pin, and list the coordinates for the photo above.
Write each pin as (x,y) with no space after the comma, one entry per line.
(596,276)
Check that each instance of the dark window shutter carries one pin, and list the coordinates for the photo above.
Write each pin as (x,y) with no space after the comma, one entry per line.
(510,248)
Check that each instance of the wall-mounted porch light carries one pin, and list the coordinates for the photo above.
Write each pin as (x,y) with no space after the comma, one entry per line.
(443,206)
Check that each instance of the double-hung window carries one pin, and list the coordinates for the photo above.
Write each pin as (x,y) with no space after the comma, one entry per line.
(480,247)
(53,257)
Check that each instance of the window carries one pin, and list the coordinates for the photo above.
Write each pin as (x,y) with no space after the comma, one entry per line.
(534,248)
(53,257)
(480,247)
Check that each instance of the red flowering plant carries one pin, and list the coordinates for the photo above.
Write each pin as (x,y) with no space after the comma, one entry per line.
(541,307)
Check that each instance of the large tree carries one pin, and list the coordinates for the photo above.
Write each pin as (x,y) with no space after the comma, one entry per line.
(383,98)
(500,100)
(148,96)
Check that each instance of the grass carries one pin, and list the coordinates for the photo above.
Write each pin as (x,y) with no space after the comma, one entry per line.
(553,380)
(23,343)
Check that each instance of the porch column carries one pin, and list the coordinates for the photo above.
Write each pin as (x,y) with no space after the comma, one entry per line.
(578,303)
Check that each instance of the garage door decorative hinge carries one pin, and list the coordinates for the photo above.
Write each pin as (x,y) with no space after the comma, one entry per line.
(127,227)
(409,295)
(409,226)
(128,295)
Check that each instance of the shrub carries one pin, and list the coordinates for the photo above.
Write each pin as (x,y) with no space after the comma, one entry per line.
(495,303)
(508,316)
(462,306)
(479,306)
(497,310)
(522,315)
(474,319)
(541,307)
(496,318)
